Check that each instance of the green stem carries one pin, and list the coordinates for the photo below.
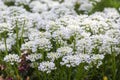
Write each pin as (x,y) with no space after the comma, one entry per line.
(43,54)
(0,37)
(17,38)
(16,72)
(74,44)
(44,76)
(84,50)
(21,38)
(57,45)
(37,71)
(113,64)
(8,70)
(80,72)
(6,50)
(69,74)
(104,68)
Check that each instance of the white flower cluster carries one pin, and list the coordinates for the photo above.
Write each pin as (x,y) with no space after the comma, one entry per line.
(22,2)
(53,56)
(10,41)
(76,60)
(5,27)
(97,60)
(46,5)
(42,43)
(46,66)
(54,27)
(12,58)
(34,57)
(71,60)
(65,51)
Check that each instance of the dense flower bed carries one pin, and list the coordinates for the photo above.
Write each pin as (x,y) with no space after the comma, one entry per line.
(58,40)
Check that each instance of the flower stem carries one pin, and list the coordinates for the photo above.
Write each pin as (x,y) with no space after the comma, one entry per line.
(37,70)
(17,38)
(17,74)
(5,41)
(21,38)
(113,64)
(69,74)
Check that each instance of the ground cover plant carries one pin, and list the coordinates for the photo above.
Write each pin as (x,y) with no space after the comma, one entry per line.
(59,40)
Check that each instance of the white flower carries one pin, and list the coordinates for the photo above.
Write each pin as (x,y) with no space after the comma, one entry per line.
(12,58)
(86,7)
(110,12)
(8,0)
(29,45)
(46,66)
(10,41)
(75,60)
(97,59)
(37,6)
(34,57)
(5,27)
(3,48)
(53,56)
(114,33)
(22,2)
(43,43)
(14,11)
(35,34)
(64,33)
(65,50)
(84,45)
